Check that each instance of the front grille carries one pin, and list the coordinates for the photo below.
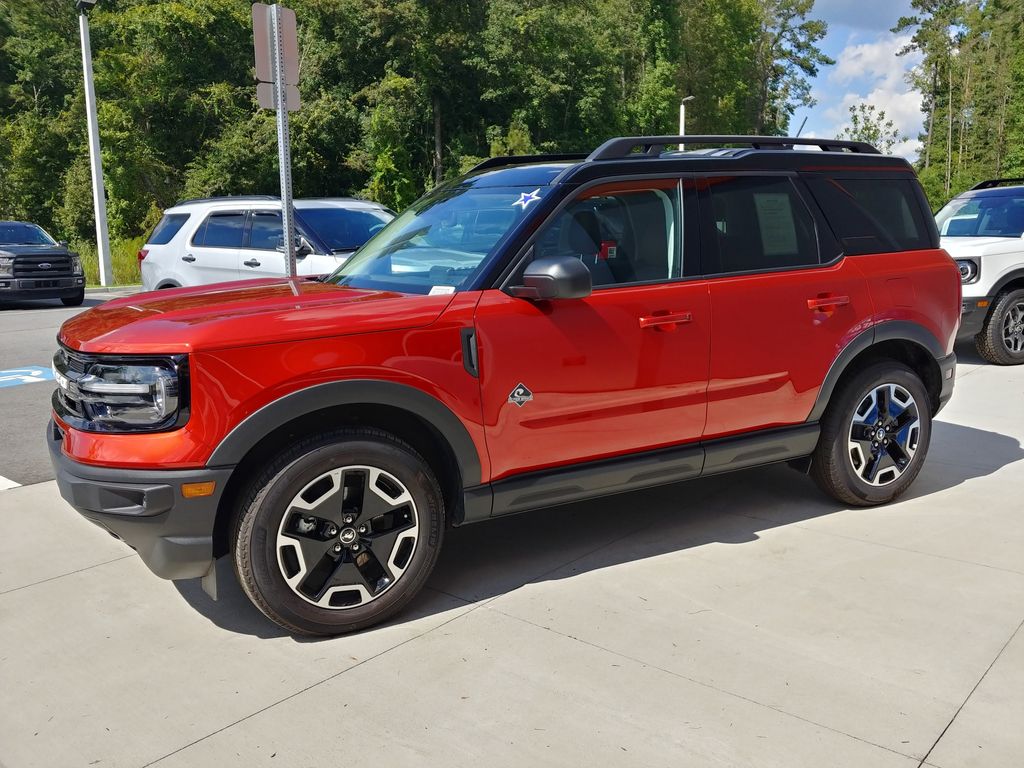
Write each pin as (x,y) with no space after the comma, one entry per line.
(29,266)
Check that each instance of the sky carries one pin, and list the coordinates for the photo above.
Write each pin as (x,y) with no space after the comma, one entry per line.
(866,70)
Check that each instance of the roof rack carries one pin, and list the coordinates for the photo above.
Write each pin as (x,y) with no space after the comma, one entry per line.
(499,162)
(991,183)
(621,148)
(232,198)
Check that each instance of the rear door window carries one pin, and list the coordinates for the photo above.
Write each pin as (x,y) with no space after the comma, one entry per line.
(168,227)
(221,230)
(266,232)
(872,215)
(759,223)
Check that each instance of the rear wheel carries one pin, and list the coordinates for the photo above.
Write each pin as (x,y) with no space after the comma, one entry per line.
(874,436)
(1001,340)
(74,301)
(339,533)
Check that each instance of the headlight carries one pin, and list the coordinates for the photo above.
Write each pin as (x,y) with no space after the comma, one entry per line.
(6,265)
(100,393)
(970,270)
(76,264)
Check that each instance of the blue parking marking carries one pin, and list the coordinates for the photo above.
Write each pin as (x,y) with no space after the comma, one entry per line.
(29,375)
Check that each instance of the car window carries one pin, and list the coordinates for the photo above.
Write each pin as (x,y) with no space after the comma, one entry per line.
(167,228)
(266,231)
(760,223)
(872,215)
(982,216)
(344,229)
(221,230)
(627,232)
(17,233)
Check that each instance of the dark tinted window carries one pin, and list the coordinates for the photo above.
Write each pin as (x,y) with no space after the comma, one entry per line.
(17,233)
(759,223)
(345,230)
(167,228)
(624,233)
(267,232)
(872,215)
(221,230)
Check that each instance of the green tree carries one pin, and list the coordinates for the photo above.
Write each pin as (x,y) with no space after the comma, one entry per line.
(870,124)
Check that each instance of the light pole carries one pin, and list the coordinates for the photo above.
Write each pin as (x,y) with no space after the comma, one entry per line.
(682,118)
(99,197)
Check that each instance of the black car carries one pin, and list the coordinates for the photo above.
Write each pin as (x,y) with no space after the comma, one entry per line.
(35,266)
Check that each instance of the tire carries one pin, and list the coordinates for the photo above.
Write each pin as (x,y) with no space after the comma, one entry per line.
(366,559)
(74,301)
(844,461)
(1001,340)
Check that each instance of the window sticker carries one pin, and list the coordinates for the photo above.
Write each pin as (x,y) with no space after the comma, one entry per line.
(441,290)
(525,198)
(778,227)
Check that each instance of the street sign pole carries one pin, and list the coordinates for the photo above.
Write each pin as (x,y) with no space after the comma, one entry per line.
(284,154)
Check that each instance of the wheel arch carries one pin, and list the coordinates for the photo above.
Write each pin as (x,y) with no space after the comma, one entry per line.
(429,426)
(1009,282)
(909,343)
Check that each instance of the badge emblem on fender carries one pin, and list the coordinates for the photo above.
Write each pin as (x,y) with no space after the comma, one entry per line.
(521,395)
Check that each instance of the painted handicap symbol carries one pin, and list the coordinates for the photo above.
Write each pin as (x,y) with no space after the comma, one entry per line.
(17,376)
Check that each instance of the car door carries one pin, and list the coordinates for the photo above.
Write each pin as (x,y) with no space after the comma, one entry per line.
(784,301)
(259,256)
(622,371)
(211,255)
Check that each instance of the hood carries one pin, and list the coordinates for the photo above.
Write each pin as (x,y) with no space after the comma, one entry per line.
(962,247)
(244,313)
(7,249)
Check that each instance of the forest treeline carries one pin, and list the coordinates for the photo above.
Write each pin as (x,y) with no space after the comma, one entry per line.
(398,94)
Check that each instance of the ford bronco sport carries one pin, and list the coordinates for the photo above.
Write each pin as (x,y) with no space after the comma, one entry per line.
(983,229)
(543,330)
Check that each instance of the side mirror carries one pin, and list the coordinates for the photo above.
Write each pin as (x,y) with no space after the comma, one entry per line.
(302,248)
(62,243)
(557,277)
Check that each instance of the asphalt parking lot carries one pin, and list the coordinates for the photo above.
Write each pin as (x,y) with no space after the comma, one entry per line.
(744,620)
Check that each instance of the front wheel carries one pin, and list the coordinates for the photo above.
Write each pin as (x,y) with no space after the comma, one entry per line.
(874,437)
(339,532)
(1001,340)
(74,301)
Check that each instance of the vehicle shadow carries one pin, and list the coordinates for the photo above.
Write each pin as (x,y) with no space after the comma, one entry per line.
(42,304)
(480,562)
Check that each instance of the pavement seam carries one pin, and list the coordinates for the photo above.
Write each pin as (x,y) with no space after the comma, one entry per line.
(69,573)
(707,685)
(964,704)
(803,527)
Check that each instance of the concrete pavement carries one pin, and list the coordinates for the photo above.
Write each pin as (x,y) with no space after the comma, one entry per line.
(744,620)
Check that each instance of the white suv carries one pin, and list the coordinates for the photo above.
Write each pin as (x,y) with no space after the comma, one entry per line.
(983,229)
(233,238)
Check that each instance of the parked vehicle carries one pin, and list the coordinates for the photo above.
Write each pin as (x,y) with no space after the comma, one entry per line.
(983,229)
(219,239)
(540,331)
(35,266)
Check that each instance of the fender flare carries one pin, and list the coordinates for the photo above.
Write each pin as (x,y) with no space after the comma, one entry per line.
(233,448)
(1005,280)
(892,330)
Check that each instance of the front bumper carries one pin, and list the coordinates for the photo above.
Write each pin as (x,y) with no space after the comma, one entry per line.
(947,378)
(17,288)
(973,312)
(145,508)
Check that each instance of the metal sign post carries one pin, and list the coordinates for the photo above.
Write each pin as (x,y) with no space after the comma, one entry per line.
(277,69)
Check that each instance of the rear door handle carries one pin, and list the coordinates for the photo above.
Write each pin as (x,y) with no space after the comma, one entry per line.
(251,263)
(827,302)
(189,258)
(665,318)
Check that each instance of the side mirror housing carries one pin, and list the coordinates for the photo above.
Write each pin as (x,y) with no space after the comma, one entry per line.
(556,277)
(302,247)
(62,243)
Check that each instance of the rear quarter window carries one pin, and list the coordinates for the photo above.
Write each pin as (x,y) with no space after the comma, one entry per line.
(872,215)
(168,227)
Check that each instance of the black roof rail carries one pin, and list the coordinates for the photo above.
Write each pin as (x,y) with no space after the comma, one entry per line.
(503,160)
(621,148)
(232,198)
(991,183)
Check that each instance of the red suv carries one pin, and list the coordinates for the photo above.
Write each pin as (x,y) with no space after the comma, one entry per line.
(542,330)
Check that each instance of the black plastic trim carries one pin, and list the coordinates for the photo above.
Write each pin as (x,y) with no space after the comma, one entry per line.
(1006,280)
(947,375)
(972,317)
(351,392)
(893,330)
(757,448)
(469,353)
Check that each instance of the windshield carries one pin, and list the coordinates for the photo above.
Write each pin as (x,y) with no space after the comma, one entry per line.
(438,244)
(16,233)
(342,229)
(982,217)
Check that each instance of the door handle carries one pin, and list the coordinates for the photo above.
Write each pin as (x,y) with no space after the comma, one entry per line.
(665,318)
(251,263)
(189,258)
(827,302)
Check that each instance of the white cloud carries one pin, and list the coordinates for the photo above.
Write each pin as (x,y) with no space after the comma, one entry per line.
(877,60)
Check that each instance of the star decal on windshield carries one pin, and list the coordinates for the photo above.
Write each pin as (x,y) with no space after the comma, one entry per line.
(525,198)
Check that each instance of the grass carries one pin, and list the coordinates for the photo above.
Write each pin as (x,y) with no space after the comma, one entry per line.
(123,256)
